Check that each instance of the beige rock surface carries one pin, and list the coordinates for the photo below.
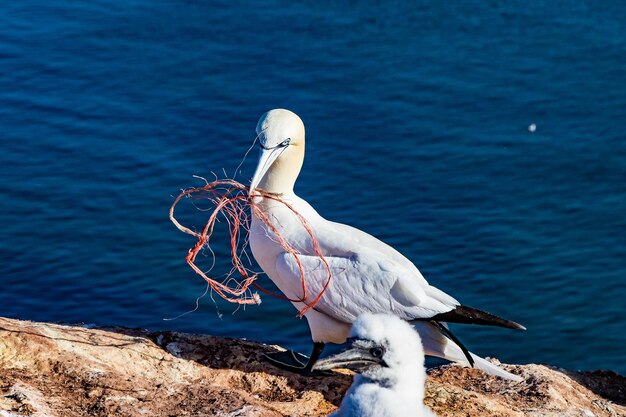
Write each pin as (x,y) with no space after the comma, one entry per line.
(70,371)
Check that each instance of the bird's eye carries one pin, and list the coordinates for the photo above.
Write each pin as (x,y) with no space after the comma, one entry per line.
(285,142)
(377,352)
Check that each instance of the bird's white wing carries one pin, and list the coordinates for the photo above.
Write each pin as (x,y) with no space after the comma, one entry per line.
(338,239)
(362,284)
(370,255)
(366,240)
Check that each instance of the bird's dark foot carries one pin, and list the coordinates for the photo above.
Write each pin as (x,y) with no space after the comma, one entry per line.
(297,362)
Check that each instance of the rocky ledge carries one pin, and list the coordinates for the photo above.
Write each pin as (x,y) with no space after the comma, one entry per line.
(65,371)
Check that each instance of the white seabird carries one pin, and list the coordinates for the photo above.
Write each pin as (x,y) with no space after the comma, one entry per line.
(388,357)
(368,276)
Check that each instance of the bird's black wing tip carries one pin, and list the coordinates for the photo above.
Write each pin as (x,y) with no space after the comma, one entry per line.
(468,315)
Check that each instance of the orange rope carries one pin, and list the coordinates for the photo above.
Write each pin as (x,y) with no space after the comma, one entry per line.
(231,200)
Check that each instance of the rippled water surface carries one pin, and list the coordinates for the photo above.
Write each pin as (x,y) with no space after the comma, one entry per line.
(417,122)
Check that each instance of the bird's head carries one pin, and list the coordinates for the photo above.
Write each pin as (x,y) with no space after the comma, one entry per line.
(281,139)
(382,348)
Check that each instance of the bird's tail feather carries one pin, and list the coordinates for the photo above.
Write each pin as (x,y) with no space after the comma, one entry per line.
(492,369)
(436,344)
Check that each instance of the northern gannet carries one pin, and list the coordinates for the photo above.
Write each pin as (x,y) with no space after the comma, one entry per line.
(387,355)
(368,276)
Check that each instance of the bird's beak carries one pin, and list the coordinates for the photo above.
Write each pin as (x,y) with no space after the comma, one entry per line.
(356,359)
(266,159)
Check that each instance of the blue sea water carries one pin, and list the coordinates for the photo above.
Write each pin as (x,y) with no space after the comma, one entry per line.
(417,118)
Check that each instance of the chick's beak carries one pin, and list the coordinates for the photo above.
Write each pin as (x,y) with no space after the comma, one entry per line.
(355,359)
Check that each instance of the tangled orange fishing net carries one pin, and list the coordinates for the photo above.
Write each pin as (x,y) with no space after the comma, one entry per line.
(232,203)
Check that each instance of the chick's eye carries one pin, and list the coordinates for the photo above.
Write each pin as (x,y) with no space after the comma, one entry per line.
(377,352)
(285,142)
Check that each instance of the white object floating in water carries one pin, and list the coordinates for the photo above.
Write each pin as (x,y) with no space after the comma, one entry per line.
(388,356)
(532,127)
